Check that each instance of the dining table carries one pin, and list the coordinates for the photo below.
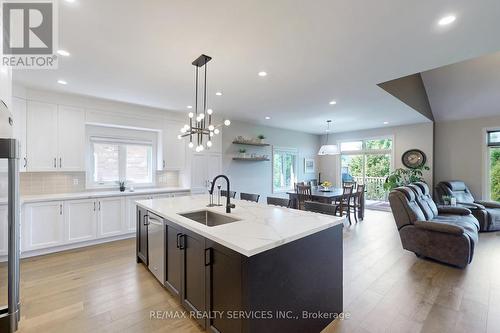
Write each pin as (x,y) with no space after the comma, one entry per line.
(327,196)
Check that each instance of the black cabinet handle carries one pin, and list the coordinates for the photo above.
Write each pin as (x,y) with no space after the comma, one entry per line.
(178,241)
(182,242)
(208,256)
(25,162)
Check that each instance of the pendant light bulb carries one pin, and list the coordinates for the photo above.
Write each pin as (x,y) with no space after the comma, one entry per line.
(227,122)
(210,111)
(191,115)
(191,145)
(211,127)
(209,144)
(216,131)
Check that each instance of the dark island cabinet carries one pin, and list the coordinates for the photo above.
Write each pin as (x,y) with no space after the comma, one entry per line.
(295,287)
(193,275)
(174,257)
(224,288)
(142,235)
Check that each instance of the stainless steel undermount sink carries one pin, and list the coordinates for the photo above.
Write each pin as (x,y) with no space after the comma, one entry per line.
(208,218)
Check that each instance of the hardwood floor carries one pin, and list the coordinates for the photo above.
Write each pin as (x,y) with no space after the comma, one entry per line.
(386,289)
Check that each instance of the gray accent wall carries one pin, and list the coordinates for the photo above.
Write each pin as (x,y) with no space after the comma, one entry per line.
(461,152)
(256,177)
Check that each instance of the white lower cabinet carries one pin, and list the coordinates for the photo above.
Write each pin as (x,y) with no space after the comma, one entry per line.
(43,225)
(55,223)
(4,224)
(110,216)
(80,220)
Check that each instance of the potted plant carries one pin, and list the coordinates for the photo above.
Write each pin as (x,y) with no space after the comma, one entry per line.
(243,152)
(121,183)
(404,176)
(326,185)
(446,200)
(261,138)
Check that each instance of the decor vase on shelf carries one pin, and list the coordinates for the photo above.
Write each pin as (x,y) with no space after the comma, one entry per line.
(242,153)
(261,138)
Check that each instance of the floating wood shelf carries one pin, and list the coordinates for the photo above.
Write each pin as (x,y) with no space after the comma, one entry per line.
(251,159)
(248,143)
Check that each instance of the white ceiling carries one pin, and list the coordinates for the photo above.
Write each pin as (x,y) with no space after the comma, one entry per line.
(469,89)
(314,51)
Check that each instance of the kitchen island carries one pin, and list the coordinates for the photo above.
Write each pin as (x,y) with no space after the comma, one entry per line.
(258,269)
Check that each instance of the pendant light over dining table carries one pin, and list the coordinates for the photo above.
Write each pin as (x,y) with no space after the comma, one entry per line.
(327,149)
(201,128)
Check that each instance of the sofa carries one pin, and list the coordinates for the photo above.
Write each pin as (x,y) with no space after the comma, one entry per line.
(487,212)
(443,233)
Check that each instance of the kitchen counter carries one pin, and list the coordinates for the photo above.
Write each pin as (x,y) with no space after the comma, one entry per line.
(260,227)
(95,194)
(283,263)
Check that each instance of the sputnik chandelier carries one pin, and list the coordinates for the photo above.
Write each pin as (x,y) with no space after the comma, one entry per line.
(200,129)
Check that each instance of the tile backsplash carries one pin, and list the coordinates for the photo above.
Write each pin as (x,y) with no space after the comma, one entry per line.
(32,183)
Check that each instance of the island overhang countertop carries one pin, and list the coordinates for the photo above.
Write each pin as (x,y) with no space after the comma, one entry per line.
(259,227)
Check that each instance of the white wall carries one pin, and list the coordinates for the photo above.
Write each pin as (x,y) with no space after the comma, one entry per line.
(418,136)
(256,177)
(460,152)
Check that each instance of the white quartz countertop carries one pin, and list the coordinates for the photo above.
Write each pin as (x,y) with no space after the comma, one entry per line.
(260,227)
(96,194)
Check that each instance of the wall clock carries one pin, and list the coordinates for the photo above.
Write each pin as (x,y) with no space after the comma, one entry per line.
(414,158)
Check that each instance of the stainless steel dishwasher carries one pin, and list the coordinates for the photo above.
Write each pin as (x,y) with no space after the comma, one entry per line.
(156,246)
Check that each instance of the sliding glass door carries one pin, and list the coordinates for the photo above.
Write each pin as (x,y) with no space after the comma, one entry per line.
(367,162)
(494,165)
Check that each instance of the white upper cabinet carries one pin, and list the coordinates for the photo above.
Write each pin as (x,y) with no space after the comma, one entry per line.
(71,139)
(55,137)
(204,167)
(174,150)
(19,129)
(42,136)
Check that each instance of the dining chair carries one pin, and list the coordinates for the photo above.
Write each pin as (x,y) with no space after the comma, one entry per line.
(356,201)
(250,197)
(319,207)
(349,183)
(343,203)
(313,182)
(232,194)
(282,202)
(303,194)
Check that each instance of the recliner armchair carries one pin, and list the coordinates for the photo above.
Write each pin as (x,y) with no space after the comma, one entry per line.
(446,234)
(487,212)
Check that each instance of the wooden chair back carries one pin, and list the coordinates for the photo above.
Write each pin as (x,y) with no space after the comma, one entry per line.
(282,202)
(250,197)
(232,194)
(303,194)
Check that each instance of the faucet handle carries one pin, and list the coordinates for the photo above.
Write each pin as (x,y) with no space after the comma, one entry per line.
(231,205)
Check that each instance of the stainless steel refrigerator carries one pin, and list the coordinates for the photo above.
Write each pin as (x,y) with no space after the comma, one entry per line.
(9,225)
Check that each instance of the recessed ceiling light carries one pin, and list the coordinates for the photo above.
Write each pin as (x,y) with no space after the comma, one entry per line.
(262,73)
(447,20)
(70,1)
(63,53)
(333,102)
(218,93)
(386,122)
(62,82)
(189,106)
(268,118)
